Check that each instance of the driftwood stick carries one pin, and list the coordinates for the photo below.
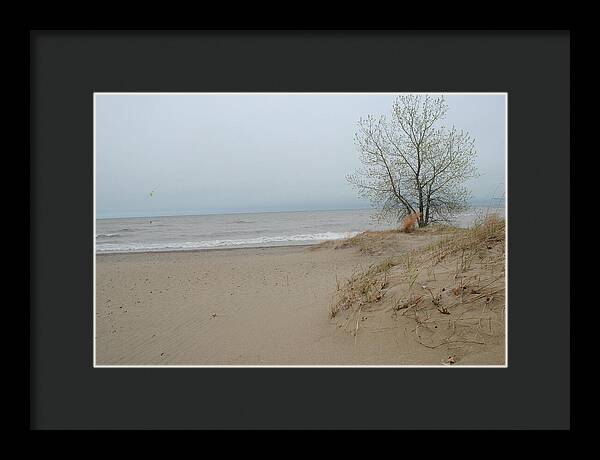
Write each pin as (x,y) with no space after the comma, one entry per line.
(357,322)
(452,341)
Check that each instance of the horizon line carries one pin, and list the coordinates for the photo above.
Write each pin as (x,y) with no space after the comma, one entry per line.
(223,213)
(204,213)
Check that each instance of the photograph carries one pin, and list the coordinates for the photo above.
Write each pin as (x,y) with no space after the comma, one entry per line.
(300,229)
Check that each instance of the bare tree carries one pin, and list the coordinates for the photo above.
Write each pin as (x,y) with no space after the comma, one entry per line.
(413,164)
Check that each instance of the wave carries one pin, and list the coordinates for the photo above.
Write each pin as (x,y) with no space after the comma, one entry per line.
(310,238)
(107,235)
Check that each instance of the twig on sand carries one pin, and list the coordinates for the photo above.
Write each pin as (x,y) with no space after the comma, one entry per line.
(449,342)
(481,296)
(384,329)
(357,322)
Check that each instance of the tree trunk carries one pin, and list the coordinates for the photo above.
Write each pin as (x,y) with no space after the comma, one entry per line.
(428,205)
(421,216)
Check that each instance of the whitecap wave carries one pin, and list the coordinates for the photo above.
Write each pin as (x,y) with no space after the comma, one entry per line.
(310,238)
(107,235)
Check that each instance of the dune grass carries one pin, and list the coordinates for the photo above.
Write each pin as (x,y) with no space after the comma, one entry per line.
(482,244)
(363,287)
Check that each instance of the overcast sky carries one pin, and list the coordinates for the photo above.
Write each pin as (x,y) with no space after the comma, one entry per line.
(216,153)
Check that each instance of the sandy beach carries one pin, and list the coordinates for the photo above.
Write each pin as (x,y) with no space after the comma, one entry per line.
(267,306)
(241,306)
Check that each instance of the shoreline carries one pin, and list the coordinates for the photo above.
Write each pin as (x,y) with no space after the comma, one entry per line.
(167,251)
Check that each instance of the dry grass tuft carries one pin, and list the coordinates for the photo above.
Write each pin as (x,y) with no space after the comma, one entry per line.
(409,223)
(363,287)
(485,233)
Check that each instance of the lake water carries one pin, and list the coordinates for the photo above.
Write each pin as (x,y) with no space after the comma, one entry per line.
(241,230)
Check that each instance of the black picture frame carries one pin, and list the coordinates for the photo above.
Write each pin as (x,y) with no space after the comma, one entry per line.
(66,67)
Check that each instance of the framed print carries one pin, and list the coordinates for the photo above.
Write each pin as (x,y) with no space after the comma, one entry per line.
(296,229)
